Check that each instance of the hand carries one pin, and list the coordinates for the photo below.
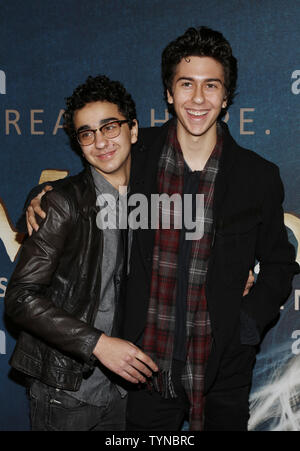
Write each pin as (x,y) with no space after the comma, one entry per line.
(35,208)
(124,359)
(249,283)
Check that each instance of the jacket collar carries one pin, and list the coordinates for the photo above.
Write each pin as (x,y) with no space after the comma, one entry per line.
(146,154)
(151,142)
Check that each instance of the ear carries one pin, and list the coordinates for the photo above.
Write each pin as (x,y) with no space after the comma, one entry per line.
(224,104)
(134,131)
(170,97)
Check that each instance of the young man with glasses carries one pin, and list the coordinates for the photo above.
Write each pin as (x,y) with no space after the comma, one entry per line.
(65,289)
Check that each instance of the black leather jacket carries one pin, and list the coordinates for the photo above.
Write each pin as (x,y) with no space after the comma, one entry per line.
(54,291)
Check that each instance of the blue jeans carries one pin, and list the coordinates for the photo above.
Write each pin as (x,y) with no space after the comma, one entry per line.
(54,410)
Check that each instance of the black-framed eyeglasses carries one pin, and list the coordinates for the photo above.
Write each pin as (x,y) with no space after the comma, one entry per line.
(109,131)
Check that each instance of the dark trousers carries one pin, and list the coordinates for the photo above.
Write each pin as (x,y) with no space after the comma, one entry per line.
(55,410)
(150,412)
(226,403)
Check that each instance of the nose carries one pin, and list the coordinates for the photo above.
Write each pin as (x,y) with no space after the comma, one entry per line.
(100,140)
(198,96)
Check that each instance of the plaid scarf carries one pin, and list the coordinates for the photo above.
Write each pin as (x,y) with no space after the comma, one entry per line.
(159,332)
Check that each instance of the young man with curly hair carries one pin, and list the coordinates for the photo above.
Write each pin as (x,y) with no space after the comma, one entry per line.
(65,289)
(186,305)
(184,298)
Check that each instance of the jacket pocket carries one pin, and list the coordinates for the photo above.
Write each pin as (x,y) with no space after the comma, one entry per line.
(236,238)
(238,223)
(65,413)
(235,245)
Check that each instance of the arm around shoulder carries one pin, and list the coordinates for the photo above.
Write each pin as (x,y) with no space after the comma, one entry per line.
(35,192)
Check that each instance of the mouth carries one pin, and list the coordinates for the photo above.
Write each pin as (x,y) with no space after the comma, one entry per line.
(196,114)
(107,155)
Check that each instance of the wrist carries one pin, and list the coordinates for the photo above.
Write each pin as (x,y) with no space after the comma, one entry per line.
(98,347)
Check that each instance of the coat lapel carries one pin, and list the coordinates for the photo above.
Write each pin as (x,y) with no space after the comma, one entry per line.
(144,171)
(223,176)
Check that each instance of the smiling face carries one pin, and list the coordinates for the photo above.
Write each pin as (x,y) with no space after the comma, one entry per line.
(110,157)
(198,95)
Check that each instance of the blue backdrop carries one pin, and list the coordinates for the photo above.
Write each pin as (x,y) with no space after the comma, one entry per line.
(49,47)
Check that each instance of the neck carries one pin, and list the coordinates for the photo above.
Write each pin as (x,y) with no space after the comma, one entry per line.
(197,149)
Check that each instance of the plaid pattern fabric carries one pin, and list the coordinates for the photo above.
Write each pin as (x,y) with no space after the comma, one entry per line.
(160,326)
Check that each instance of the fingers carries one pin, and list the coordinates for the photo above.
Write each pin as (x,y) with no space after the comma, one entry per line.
(142,357)
(132,375)
(128,377)
(31,219)
(249,283)
(35,209)
(135,371)
(29,228)
(247,289)
(36,205)
(251,277)
(137,365)
(124,358)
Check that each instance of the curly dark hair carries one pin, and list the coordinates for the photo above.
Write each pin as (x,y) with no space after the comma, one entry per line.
(99,88)
(201,41)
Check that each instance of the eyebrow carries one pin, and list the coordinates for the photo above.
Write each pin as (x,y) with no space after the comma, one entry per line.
(206,79)
(102,122)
